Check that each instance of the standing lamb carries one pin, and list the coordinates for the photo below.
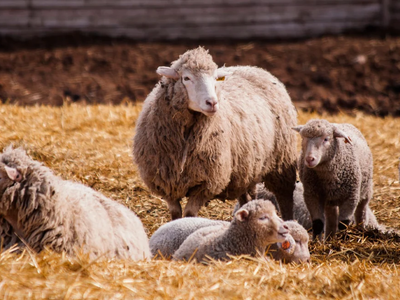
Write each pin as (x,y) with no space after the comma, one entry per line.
(46,211)
(254,227)
(336,170)
(169,237)
(202,137)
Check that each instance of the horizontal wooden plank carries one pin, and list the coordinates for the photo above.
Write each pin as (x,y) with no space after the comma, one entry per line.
(14,17)
(288,30)
(187,3)
(77,19)
(14,3)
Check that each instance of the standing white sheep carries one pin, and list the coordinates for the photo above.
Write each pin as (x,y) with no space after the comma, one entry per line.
(201,138)
(169,237)
(47,211)
(254,227)
(336,170)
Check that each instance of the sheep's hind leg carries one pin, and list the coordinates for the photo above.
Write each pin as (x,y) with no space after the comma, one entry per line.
(282,185)
(193,206)
(175,208)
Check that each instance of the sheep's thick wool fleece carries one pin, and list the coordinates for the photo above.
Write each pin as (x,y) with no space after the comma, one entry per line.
(349,167)
(184,153)
(68,216)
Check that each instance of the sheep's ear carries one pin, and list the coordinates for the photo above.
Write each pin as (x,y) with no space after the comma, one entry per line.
(13,174)
(337,133)
(168,72)
(298,128)
(221,73)
(242,215)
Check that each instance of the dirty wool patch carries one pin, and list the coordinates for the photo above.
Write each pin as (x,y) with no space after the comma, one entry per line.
(93,145)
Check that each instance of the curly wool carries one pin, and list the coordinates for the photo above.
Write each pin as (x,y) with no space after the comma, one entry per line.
(181,153)
(67,216)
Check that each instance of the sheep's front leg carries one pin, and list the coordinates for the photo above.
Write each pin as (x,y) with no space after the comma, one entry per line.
(331,220)
(175,208)
(316,208)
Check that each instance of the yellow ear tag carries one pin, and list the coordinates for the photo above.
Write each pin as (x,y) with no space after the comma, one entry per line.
(221,78)
(285,245)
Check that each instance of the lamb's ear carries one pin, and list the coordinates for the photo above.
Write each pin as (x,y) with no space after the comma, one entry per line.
(242,215)
(337,133)
(13,174)
(168,72)
(298,128)
(221,73)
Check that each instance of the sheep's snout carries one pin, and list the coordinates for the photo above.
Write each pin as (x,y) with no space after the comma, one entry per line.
(283,231)
(311,161)
(212,105)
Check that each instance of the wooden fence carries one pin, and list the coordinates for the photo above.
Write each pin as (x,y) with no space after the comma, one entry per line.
(172,19)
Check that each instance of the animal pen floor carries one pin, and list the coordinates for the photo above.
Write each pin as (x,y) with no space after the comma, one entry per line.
(92,144)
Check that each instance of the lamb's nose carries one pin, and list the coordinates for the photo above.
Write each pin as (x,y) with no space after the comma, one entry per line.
(310,159)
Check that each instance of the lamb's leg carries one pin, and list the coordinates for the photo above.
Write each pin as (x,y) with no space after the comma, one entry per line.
(360,214)
(316,209)
(175,208)
(282,185)
(346,212)
(331,220)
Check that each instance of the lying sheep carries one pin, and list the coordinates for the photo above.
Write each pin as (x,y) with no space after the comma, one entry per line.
(46,211)
(253,228)
(168,238)
(336,169)
(200,138)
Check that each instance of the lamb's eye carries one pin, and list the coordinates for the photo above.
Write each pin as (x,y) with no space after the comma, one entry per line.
(326,139)
(186,78)
(263,218)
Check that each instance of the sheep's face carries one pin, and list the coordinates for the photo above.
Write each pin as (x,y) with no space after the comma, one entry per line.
(8,176)
(299,252)
(261,218)
(200,86)
(318,141)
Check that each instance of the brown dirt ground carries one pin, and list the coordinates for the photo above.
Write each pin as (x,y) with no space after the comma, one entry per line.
(331,74)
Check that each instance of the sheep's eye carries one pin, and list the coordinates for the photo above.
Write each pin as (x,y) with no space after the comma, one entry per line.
(326,139)
(186,78)
(263,218)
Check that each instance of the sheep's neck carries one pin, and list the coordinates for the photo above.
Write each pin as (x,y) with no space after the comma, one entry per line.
(12,217)
(247,241)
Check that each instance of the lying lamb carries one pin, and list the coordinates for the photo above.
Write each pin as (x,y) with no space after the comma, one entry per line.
(168,238)
(202,138)
(46,211)
(253,228)
(336,170)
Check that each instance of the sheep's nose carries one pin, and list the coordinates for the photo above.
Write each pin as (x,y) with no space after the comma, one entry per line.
(212,103)
(310,159)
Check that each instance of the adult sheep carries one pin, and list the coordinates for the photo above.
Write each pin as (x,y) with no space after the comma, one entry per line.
(46,211)
(202,138)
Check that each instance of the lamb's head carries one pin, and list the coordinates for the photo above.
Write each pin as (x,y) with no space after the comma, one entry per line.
(295,248)
(8,176)
(259,217)
(319,141)
(198,73)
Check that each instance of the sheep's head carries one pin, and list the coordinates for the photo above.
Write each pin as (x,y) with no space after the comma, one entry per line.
(295,248)
(198,73)
(317,139)
(8,176)
(260,217)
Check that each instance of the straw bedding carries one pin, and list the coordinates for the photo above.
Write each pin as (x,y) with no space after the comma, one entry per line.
(93,145)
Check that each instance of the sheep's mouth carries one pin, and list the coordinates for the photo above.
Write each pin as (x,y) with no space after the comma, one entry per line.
(283,233)
(210,113)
